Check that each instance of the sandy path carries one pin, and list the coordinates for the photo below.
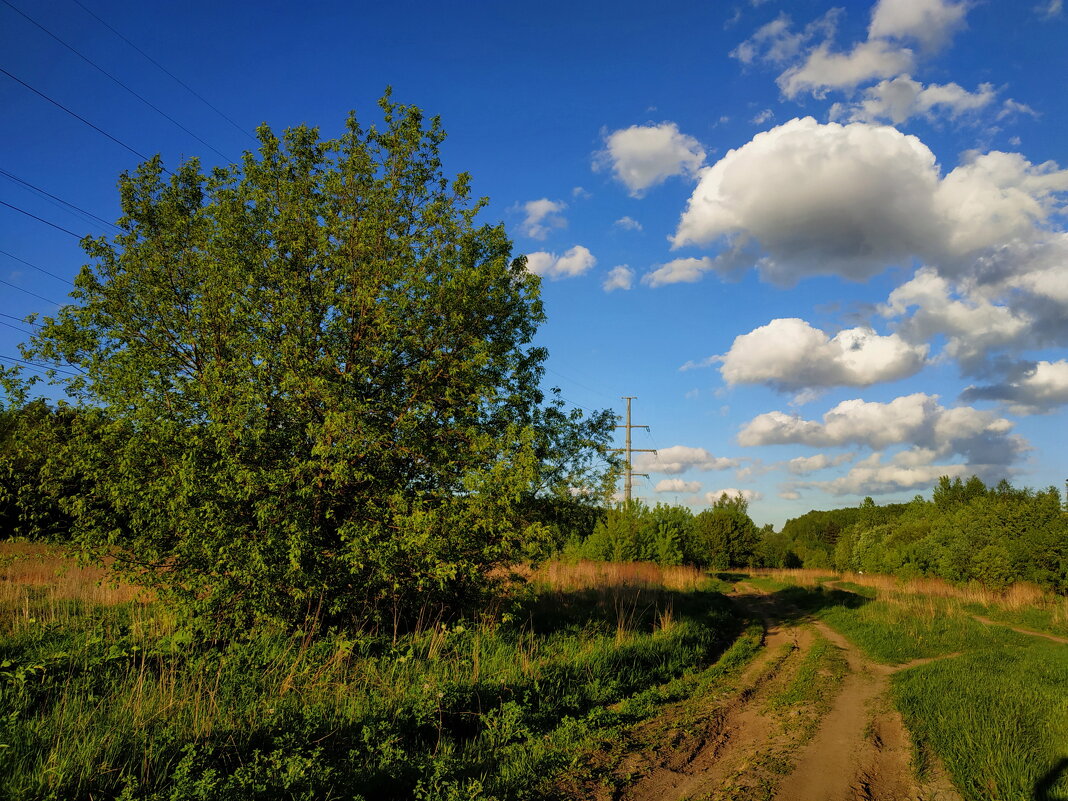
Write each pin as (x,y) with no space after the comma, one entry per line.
(1053,637)
(860,750)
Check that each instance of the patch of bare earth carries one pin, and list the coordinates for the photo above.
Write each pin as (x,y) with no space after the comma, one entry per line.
(852,746)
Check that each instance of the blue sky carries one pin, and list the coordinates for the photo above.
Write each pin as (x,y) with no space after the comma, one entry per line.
(823,245)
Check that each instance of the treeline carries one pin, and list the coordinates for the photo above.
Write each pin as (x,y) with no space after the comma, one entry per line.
(718,537)
(966,532)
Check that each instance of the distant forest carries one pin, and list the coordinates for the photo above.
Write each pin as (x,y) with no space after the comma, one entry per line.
(966,532)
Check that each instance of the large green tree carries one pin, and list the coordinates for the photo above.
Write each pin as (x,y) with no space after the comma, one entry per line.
(309,386)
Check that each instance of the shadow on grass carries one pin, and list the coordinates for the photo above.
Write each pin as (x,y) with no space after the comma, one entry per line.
(731,577)
(1044,785)
(620,607)
(796,604)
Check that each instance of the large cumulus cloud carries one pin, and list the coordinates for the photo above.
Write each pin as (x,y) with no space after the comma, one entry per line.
(852,200)
(917,421)
(789,354)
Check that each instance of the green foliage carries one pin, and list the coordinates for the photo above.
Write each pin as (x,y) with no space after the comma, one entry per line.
(722,536)
(116,703)
(968,532)
(308,388)
(811,540)
(33,477)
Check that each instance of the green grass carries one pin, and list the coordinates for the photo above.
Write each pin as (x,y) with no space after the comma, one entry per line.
(913,627)
(1047,620)
(997,718)
(109,702)
(994,709)
(814,680)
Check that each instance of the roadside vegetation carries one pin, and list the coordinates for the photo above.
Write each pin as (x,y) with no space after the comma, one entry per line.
(987,700)
(114,700)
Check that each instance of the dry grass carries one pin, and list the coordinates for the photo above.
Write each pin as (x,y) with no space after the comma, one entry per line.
(1017,597)
(38,580)
(585,575)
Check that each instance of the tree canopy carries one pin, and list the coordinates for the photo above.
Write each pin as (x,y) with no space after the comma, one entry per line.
(307,384)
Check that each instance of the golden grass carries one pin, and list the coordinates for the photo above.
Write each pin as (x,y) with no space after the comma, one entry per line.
(44,573)
(1021,595)
(584,575)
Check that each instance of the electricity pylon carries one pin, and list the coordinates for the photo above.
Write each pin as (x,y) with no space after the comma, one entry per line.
(629,476)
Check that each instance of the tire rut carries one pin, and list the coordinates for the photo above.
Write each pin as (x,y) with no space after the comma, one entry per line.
(859,750)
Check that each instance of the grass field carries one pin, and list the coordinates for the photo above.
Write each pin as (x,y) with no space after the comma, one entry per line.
(550,694)
(991,702)
(102,696)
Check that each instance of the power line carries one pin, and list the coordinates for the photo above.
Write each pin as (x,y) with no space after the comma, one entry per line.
(23,330)
(19,319)
(12,177)
(575,382)
(41,219)
(39,297)
(34,266)
(38,364)
(117,141)
(166,71)
(108,75)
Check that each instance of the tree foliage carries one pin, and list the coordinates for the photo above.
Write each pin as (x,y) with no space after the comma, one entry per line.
(311,383)
(720,536)
(966,532)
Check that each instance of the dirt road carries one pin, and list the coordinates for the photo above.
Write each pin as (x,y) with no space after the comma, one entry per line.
(847,743)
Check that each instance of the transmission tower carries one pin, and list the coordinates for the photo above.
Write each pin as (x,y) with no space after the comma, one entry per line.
(628,450)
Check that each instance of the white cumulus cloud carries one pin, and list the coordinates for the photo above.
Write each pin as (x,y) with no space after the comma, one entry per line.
(541,217)
(677,485)
(803,465)
(902,98)
(917,420)
(1040,388)
(643,156)
(905,471)
(789,354)
(620,277)
(806,198)
(825,69)
(679,271)
(680,458)
(929,22)
(732,492)
(575,261)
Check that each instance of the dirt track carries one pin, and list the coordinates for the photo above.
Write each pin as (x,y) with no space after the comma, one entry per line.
(853,746)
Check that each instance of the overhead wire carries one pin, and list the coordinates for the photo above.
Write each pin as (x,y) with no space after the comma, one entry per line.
(166,71)
(33,187)
(19,319)
(28,292)
(76,116)
(36,267)
(38,364)
(23,330)
(40,219)
(111,77)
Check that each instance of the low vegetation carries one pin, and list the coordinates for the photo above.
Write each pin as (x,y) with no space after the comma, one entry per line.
(986,699)
(114,700)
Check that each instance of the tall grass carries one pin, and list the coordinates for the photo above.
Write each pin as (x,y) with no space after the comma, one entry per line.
(1021,603)
(104,698)
(991,703)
